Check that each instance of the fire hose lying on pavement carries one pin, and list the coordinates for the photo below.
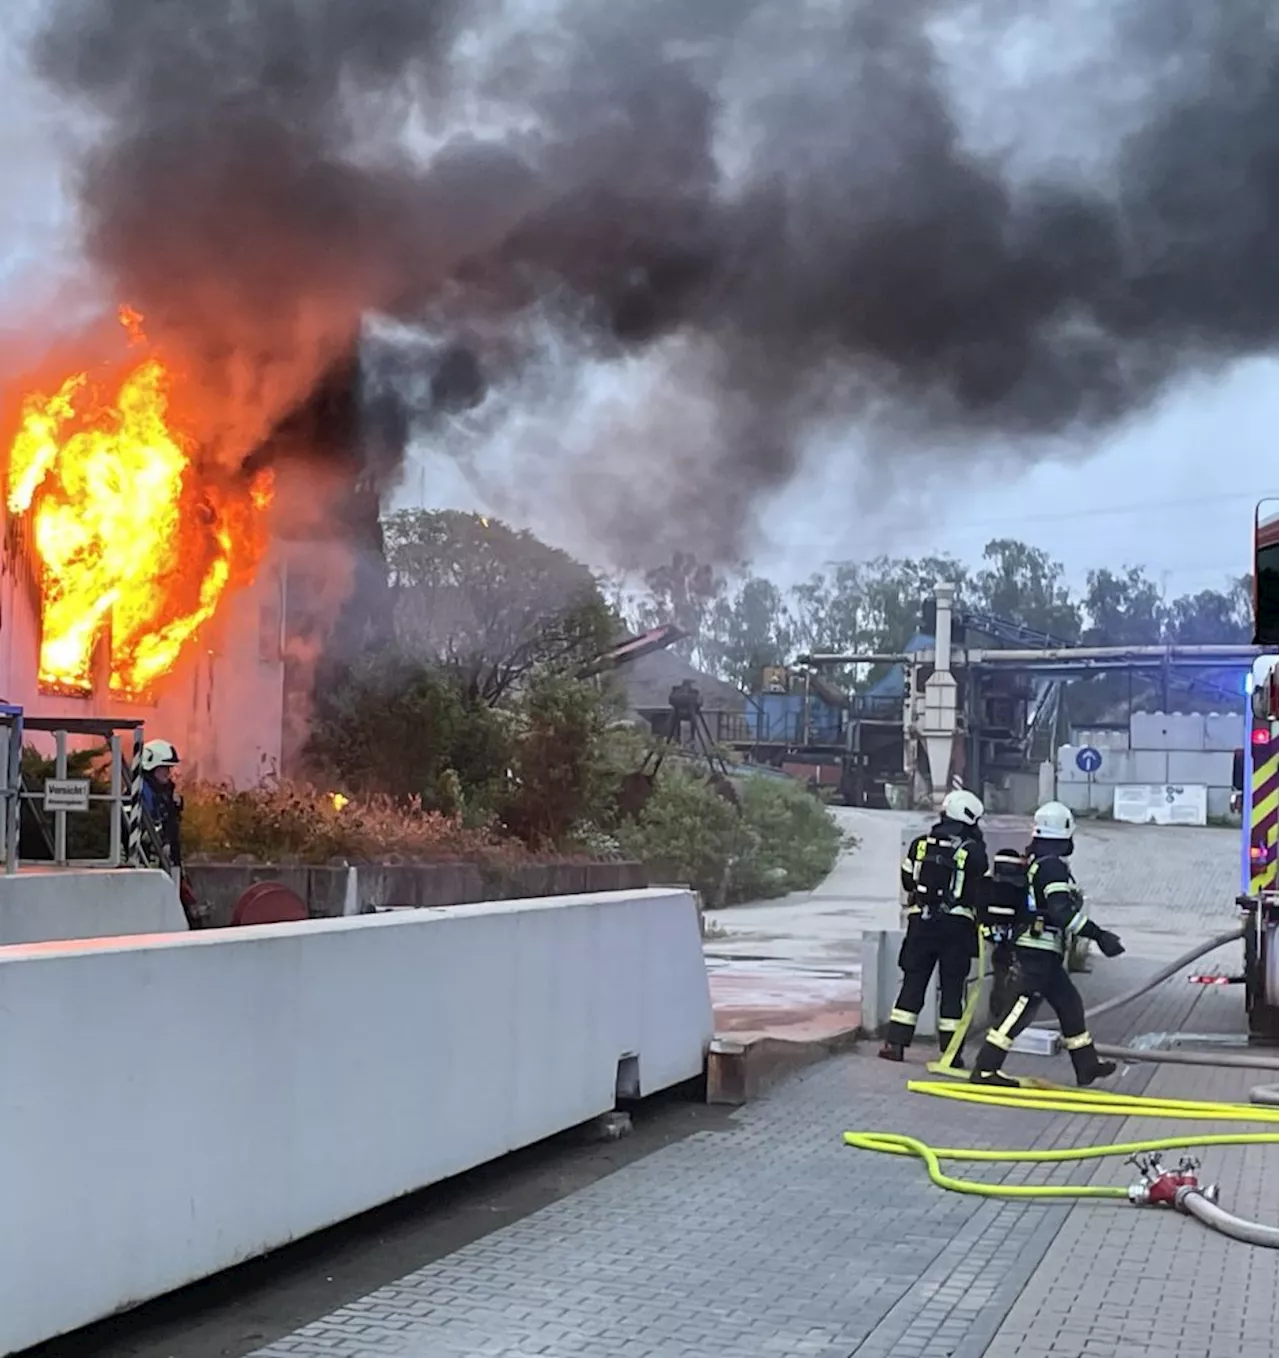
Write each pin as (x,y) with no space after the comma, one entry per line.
(1178,1188)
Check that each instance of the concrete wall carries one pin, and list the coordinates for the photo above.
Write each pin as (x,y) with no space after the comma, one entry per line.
(174,1104)
(218,886)
(1187,731)
(1161,749)
(1012,794)
(38,905)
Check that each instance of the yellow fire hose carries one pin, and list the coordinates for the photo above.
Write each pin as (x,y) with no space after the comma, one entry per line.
(946,1066)
(1047,1097)
(893,1143)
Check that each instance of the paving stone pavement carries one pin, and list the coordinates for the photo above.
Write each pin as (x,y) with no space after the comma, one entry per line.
(770,1239)
(1162,887)
(773,1240)
(1158,1284)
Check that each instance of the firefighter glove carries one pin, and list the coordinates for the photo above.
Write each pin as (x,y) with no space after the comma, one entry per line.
(1109,943)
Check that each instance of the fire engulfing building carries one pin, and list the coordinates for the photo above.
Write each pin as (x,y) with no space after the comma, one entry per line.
(212,641)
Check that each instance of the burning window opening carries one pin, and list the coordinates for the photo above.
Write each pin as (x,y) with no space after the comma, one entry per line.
(135,546)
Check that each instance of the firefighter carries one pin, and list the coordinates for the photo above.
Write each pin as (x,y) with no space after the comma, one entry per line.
(161,801)
(941,875)
(163,805)
(1055,914)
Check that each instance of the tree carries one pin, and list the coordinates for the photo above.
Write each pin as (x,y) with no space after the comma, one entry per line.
(750,629)
(892,592)
(473,594)
(1023,585)
(685,592)
(825,610)
(1123,609)
(1212,617)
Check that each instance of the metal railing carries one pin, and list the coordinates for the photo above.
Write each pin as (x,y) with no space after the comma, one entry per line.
(126,818)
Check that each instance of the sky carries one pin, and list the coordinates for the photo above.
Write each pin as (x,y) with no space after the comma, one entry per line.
(1172,491)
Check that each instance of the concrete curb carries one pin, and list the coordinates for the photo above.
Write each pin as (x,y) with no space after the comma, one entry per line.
(741,1069)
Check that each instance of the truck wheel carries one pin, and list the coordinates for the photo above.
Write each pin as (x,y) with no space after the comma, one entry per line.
(1269,972)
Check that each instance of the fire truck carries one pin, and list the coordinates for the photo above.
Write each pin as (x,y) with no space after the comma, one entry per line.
(1260,793)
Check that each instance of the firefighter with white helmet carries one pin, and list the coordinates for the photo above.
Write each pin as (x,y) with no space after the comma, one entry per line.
(942,875)
(163,805)
(1054,915)
(159,754)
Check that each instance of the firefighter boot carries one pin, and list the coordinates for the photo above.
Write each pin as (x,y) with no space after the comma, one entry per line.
(892,1051)
(1089,1065)
(986,1069)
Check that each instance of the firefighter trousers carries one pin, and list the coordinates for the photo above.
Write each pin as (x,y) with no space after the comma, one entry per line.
(1040,975)
(947,943)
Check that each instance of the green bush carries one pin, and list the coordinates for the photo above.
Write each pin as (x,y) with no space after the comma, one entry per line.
(688,830)
(796,840)
(395,726)
(280,822)
(559,774)
(781,838)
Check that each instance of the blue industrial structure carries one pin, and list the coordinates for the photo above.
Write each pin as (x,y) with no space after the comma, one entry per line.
(794,719)
(1009,712)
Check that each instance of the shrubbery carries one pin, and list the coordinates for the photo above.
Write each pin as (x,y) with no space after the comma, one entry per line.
(410,766)
(782,839)
(472,734)
(283,822)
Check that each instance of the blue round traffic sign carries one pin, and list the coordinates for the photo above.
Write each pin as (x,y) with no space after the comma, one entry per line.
(1088,760)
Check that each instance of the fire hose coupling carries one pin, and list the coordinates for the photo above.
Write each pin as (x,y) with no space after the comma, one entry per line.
(1209,1193)
(1168,1187)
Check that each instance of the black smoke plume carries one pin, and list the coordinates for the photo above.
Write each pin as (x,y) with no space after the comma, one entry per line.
(789,188)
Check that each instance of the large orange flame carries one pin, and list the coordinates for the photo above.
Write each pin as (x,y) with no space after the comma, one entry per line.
(132,539)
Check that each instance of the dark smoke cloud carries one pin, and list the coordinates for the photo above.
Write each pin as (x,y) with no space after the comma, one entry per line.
(253,190)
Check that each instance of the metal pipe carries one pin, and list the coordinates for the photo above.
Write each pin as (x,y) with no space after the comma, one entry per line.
(869,658)
(1194,1203)
(13,807)
(116,850)
(135,801)
(60,815)
(10,792)
(1243,654)
(944,595)
(987,656)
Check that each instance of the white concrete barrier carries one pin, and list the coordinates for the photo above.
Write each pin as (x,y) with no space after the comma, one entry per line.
(38,905)
(174,1104)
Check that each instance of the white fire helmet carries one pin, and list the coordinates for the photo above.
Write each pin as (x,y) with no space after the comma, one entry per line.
(158,754)
(1054,821)
(963,806)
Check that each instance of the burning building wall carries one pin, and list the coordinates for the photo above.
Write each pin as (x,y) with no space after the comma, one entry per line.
(139,581)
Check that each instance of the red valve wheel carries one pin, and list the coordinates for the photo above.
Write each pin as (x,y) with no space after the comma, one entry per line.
(269,903)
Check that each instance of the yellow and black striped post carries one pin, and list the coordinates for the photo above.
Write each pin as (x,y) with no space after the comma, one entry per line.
(1264,800)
